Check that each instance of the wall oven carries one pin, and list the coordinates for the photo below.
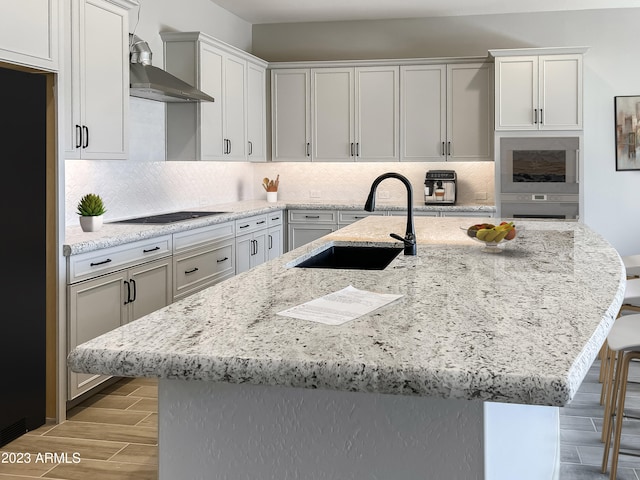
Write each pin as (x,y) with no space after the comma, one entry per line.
(538,177)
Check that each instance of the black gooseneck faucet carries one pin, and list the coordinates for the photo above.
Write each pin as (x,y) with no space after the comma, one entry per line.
(409,239)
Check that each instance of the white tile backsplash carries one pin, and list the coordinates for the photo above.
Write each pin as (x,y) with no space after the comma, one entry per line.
(147,184)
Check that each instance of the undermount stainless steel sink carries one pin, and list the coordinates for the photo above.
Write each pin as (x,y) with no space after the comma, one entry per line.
(352,258)
(172,217)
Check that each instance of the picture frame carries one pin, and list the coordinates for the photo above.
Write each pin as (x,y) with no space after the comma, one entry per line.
(627,132)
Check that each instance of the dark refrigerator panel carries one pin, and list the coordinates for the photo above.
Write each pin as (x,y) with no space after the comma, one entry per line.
(23,98)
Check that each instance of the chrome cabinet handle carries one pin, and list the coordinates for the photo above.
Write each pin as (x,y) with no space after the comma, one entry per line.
(78,136)
(86,136)
(352,149)
(270,242)
(250,148)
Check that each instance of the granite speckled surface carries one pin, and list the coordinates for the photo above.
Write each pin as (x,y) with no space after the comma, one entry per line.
(113,234)
(521,326)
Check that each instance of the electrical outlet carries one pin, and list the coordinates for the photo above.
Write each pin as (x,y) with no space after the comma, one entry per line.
(383,194)
(315,194)
(481,195)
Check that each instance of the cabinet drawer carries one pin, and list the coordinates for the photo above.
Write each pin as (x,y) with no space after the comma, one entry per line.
(312,216)
(201,236)
(251,224)
(201,267)
(347,216)
(275,218)
(93,264)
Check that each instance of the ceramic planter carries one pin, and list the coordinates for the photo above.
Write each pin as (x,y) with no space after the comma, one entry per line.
(91,224)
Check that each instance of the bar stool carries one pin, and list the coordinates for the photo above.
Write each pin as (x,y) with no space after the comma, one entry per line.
(624,341)
(632,265)
(631,302)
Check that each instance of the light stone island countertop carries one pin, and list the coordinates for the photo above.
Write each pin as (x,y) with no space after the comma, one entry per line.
(520,326)
(113,234)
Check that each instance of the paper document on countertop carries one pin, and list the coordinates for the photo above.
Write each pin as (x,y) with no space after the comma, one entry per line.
(341,306)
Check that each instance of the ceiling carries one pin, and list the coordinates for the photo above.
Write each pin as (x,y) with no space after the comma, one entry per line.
(286,11)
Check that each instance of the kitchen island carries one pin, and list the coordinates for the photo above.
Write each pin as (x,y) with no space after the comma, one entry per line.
(439,384)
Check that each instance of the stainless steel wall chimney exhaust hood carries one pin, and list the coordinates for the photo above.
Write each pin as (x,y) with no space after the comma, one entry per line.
(153,83)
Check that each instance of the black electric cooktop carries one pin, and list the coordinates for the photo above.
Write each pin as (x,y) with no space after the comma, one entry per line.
(172,217)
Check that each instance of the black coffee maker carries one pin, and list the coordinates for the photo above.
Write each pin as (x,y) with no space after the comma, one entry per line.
(440,187)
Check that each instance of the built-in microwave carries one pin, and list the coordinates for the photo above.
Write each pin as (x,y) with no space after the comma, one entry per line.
(539,165)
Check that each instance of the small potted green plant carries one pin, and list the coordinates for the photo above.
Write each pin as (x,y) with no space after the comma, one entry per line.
(91,210)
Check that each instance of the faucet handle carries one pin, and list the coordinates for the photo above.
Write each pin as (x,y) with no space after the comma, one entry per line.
(408,240)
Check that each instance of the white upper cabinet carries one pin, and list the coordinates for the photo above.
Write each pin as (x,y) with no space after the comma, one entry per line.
(423,125)
(256,113)
(335,114)
(377,110)
(447,112)
(29,33)
(469,112)
(539,92)
(219,130)
(291,114)
(96,79)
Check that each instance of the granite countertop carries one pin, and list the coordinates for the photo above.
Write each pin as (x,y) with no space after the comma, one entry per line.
(522,326)
(113,234)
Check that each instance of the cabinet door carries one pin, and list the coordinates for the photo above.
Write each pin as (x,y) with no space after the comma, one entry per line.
(424,112)
(291,115)
(516,90)
(333,114)
(28,33)
(256,120)
(302,234)
(211,119)
(274,242)
(244,249)
(260,248)
(104,80)
(95,307)
(560,106)
(469,112)
(151,287)
(377,113)
(234,108)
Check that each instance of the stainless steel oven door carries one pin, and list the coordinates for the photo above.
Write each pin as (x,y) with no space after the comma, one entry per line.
(539,165)
(545,206)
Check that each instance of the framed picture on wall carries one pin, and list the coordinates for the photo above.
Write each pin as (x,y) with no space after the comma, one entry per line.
(627,111)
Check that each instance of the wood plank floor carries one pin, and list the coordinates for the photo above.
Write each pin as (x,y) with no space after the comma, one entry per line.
(115,435)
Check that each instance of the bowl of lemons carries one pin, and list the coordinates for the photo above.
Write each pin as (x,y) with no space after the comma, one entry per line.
(492,236)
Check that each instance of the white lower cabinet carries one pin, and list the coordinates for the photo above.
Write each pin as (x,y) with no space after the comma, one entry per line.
(305,226)
(251,250)
(102,304)
(255,241)
(275,237)
(203,257)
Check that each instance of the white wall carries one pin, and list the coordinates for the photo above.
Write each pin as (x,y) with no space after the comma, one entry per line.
(611,198)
